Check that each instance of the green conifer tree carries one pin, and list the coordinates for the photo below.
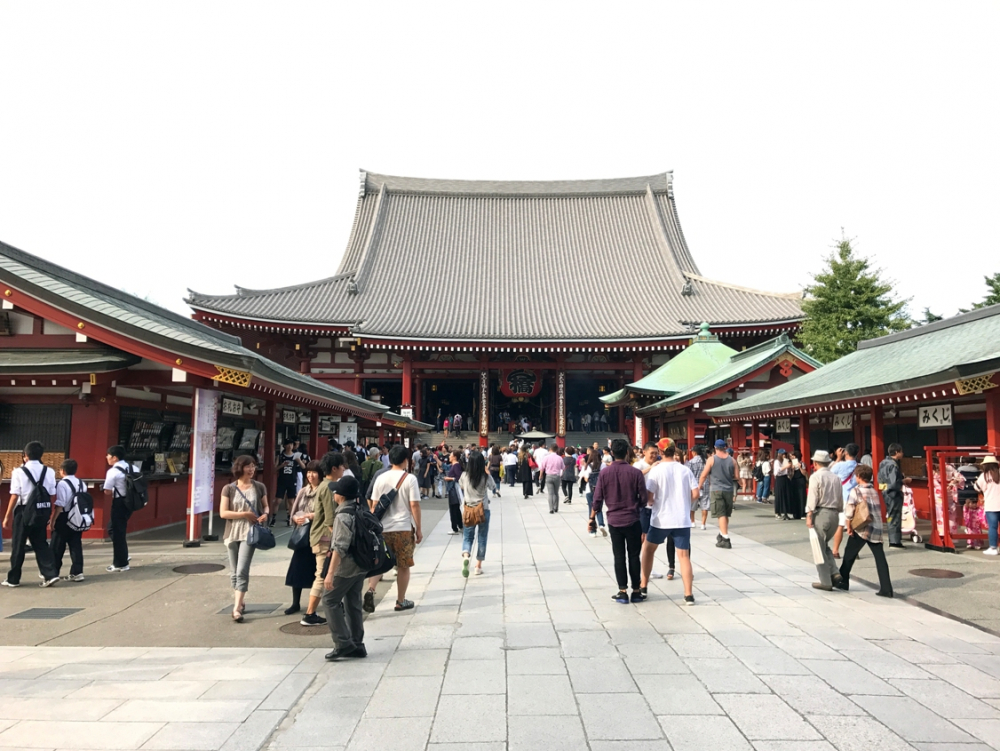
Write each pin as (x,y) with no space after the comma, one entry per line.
(848,303)
(993,296)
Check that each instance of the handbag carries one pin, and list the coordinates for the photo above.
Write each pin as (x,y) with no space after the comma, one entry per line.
(862,513)
(473,515)
(817,549)
(299,539)
(260,535)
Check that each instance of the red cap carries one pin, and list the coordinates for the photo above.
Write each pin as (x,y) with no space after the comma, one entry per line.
(665,444)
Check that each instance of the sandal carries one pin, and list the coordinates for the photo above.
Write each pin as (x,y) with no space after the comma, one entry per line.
(670,574)
(403,605)
(237,616)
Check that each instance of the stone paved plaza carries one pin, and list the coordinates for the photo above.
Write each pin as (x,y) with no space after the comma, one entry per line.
(536,655)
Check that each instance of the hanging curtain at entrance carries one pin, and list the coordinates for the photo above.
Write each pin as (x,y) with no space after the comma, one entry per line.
(520,382)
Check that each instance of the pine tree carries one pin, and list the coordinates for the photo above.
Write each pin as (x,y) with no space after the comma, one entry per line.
(848,303)
(928,317)
(993,296)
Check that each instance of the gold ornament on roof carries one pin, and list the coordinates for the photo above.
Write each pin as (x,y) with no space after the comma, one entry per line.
(233,376)
(976,385)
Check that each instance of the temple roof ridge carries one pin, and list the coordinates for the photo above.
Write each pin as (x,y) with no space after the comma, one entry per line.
(661,182)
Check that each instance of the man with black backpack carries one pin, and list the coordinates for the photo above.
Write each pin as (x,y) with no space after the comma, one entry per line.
(344,578)
(73,515)
(31,489)
(116,488)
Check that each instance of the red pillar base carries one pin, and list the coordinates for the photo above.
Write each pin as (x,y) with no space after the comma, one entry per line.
(561,441)
(484,441)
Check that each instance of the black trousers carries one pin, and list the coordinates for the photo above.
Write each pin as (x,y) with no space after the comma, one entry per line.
(567,487)
(455,516)
(20,536)
(495,474)
(626,543)
(671,552)
(894,517)
(528,487)
(119,527)
(854,544)
(63,537)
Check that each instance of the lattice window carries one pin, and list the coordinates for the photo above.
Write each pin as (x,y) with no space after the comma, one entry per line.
(976,385)
(233,376)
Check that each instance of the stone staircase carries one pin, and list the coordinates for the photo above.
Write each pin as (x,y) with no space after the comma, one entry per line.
(575,438)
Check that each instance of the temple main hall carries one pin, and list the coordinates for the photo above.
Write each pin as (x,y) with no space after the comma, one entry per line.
(502,300)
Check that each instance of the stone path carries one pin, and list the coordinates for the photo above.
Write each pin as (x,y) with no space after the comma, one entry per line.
(535,655)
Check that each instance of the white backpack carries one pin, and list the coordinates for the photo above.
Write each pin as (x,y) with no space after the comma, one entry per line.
(80,510)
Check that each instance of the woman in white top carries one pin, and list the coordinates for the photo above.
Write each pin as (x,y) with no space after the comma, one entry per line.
(475,483)
(244,503)
(988,484)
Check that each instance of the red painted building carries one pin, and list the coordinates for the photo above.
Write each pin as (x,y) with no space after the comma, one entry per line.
(484,298)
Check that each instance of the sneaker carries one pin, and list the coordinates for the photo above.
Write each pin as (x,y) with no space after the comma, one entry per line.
(479,571)
(990,551)
(311,619)
(593,534)
(369,604)
(8,584)
(704,526)
(655,575)
(113,569)
(49,582)
(465,568)
(73,578)
(689,599)
(621,597)
(454,532)
(719,537)
(724,544)
(604,531)
(637,596)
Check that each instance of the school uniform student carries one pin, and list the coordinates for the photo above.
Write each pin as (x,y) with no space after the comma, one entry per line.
(62,535)
(115,488)
(23,482)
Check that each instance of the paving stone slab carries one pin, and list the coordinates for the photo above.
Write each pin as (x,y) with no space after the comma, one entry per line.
(398,734)
(766,718)
(192,736)
(911,720)
(540,695)
(462,719)
(599,675)
(554,733)
(475,677)
(405,696)
(858,733)
(810,695)
(678,694)
(938,696)
(615,717)
(687,733)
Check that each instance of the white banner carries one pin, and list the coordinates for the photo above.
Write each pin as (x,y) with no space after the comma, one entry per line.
(348,432)
(206,406)
(934,416)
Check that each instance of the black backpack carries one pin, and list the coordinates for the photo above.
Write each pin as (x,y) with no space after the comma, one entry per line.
(368,546)
(38,504)
(80,511)
(387,499)
(758,472)
(136,489)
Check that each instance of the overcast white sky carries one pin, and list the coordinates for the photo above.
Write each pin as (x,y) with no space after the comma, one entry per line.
(165,145)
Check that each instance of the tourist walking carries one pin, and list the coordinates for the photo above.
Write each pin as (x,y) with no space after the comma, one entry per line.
(843,468)
(447,427)
(302,571)
(496,461)
(69,492)
(116,488)
(369,467)
(568,474)
(826,501)
(550,475)
(344,579)
(745,463)
(621,488)
(244,503)
(988,483)
(524,472)
(588,476)
(287,465)
(762,474)
(782,486)
(35,483)
(510,466)
(456,425)
(672,488)
(400,525)
(720,473)
(800,484)
(538,454)
(864,527)
(475,484)
(650,456)
(451,479)
(891,476)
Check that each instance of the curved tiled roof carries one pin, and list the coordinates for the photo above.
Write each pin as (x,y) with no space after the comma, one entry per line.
(515,261)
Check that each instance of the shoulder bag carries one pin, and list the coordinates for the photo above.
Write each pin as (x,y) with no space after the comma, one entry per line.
(260,535)
(473,514)
(862,514)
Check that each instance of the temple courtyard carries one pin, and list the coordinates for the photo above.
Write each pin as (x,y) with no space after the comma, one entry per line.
(532,655)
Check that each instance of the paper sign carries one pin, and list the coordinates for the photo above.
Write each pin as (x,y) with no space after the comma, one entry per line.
(783,425)
(934,416)
(206,404)
(844,421)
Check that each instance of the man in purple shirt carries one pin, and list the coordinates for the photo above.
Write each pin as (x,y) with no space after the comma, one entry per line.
(622,488)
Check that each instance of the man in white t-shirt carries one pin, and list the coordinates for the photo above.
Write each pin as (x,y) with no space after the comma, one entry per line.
(115,488)
(22,485)
(671,488)
(538,455)
(400,525)
(650,455)
(510,466)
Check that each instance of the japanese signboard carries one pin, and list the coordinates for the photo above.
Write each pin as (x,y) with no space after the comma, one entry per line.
(783,425)
(520,382)
(843,421)
(934,416)
(232,407)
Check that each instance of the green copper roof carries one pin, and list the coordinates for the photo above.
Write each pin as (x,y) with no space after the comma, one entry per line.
(704,356)
(737,367)
(938,353)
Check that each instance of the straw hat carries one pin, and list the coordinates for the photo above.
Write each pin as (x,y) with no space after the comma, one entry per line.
(989,460)
(821,457)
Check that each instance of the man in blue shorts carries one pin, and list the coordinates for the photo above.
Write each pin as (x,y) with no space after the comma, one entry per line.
(671,488)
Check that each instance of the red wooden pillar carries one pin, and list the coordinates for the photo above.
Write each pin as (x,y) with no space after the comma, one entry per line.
(407,398)
(993,419)
(314,434)
(359,369)
(93,429)
(621,407)
(690,432)
(804,445)
(755,438)
(878,447)
(637,368)
(269,451)
(418,397)
(381,435)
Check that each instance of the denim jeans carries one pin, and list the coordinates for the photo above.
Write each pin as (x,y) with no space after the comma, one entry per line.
(469,534)
(764,489)
(992,519)
(590,506)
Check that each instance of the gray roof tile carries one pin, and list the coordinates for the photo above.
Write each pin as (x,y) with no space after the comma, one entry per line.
(518,261)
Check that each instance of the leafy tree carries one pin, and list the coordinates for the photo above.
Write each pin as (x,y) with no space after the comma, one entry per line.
(993,296)
(928,317)
(848,303)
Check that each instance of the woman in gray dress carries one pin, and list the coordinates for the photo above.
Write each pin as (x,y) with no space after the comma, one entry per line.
(244,503)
